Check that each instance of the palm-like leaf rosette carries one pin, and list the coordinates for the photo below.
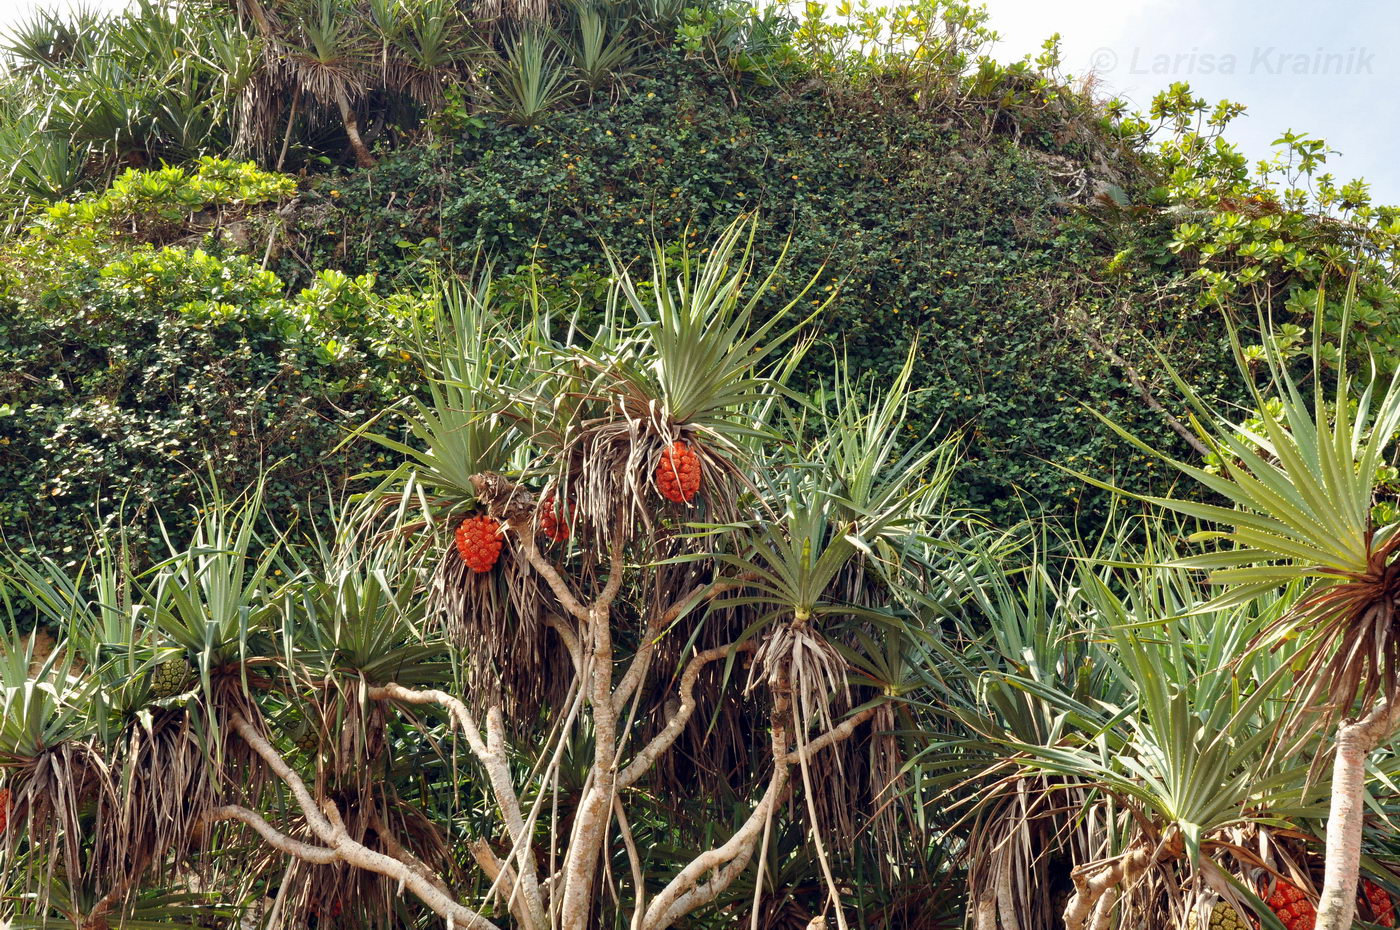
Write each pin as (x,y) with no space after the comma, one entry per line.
(1308,503)
(1303,481)
(682,375)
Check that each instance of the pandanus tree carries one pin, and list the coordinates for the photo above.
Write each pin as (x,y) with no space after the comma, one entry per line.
(622,571)
(1303,500)
(1111,750)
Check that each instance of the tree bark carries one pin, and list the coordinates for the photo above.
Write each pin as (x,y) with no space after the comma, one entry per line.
(363,158)
(324,821)
(571,886)
(1355,740)
(595,811)
(1095,880)
(492,754)
(1006,895)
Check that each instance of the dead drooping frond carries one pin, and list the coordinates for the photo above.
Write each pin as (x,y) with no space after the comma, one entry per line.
(163,790)
(537,11)
(496,621)
(54,770)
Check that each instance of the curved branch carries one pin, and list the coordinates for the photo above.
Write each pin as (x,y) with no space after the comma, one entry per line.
(616,568)
(641,662)
(502,876)
(492,754)
(639,890)
(333,834)
(314,818)
(400,852)
(595,808)
(686,891)
(647,756)
(1095,879)
(549,573)
(836,734)
(279,841)
(570,637)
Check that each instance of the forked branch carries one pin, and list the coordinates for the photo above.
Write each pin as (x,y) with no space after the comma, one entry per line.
(641,662)
(687,891)
(690,889)
(332,833)
(491,752)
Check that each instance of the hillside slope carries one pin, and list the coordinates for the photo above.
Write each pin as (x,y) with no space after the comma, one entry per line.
(979,242)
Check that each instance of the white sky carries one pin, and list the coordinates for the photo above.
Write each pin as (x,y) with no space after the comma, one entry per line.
(1246,50)
(1236,49)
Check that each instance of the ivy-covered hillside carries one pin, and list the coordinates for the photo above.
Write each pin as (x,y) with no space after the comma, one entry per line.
(649,464)
(1033,242)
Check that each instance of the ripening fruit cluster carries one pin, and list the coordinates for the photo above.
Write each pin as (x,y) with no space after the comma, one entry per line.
(1222,917)
(479,542)
(168,677)
(1291,906)
(678,473)
(4,809)
(552,522)
(1382,908)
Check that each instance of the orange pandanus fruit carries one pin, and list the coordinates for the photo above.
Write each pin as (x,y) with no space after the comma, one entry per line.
(1291,906)
(1382,907)
(553,524)
(479,542)
(678,473)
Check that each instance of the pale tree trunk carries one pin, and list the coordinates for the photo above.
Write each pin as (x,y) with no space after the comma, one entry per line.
(363,158)
(1355,741)
(1096,880)
(563,899)
(1103,911)
(986,913)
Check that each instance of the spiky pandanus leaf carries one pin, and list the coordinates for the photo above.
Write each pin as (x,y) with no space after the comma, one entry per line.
(1302,487)
(472,361)
(683,359)
(529,78)
(482,373)
(54,773)
(95,606)
(351,608)
(208,597)
(1113,721)
(829,550)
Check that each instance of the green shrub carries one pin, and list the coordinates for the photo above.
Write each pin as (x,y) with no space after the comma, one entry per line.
(131,371)
(965,241)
